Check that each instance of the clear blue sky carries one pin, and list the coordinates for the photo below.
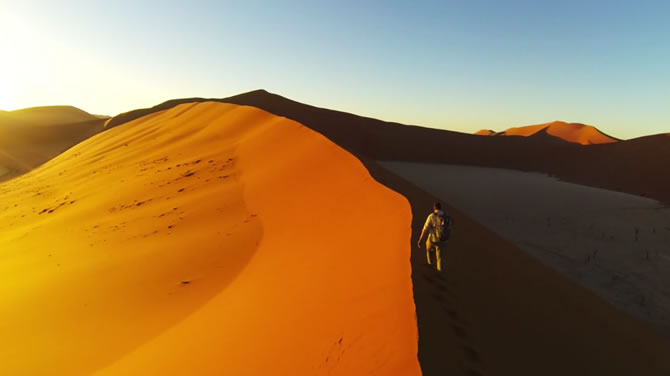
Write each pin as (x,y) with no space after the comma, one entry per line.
(461,65)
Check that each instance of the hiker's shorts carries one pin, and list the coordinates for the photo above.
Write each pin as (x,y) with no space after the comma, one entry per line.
(438,248)
(436,245)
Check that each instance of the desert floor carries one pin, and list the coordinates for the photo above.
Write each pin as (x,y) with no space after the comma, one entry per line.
(613,243)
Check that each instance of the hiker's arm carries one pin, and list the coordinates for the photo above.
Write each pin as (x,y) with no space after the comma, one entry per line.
(423,231)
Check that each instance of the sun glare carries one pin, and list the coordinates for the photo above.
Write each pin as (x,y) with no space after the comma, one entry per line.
(41,67)
(28,61)
(4,95)
(15,63)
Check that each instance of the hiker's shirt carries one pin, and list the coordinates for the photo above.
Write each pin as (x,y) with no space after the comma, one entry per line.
(430,227)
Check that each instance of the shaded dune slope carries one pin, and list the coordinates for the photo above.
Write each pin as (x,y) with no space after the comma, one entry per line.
(32,136)
(206,239)
(611,166)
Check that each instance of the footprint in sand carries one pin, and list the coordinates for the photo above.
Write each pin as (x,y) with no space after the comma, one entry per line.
(472,372)
(472,354)
(439,297)
(437,284)
(456,323)
(459,331)
(453,315)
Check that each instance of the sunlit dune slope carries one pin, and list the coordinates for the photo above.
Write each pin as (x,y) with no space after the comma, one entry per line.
(32,136)
(571,132)
(206,239)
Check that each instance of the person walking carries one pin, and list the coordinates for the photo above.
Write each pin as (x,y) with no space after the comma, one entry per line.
(438,228)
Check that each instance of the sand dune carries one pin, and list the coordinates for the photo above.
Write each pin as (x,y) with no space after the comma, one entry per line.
(571,132)
(633,166)
(497,311)
(32,136)
(485,132)
(207,239)
(6,119)
(51,115)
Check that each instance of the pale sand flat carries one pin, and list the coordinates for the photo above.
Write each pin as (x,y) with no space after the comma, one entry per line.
(612,243)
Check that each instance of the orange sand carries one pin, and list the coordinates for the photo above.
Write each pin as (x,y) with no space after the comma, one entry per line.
(206,239)
(485,132)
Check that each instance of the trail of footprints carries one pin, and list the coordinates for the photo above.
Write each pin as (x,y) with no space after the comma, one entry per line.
(456,322)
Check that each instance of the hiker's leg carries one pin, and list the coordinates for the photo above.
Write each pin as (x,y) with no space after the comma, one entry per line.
(438,257)
(428,246)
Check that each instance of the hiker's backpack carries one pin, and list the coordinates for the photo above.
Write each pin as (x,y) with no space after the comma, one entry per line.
(442,228)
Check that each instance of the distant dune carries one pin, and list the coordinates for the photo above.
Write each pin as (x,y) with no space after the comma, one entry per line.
(32,136)
(485,132)
(52,115)
(6,119)
(208,239)
(571,132)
